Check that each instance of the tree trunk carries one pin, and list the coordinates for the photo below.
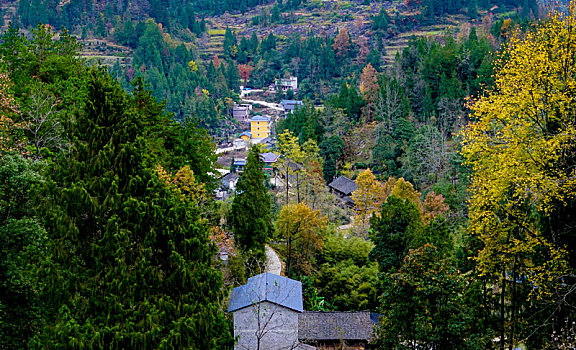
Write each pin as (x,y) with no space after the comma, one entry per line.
(297,187)
(502,317)
(289,258)
(513,309)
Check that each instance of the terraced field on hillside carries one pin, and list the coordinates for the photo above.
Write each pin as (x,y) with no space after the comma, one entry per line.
(324,19)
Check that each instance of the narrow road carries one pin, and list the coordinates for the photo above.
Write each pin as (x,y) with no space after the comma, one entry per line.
(229,149)
(273,264)
(275,106)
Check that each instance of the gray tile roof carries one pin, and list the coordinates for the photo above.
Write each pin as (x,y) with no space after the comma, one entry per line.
(226,179)
(318,326)
(344,185)
(269,157)
(268,287)
(260,118)
(290,104)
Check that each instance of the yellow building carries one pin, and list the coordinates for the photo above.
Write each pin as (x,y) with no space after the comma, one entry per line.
(246,135)
(260,127)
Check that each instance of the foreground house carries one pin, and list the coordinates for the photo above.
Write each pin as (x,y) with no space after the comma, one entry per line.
(246,136)
(268,314)
(265,312)
(337,330)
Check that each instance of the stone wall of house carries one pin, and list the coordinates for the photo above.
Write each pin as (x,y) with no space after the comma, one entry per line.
(274,327)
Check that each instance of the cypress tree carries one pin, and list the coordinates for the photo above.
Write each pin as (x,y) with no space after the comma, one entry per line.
(251,208)
(128,265)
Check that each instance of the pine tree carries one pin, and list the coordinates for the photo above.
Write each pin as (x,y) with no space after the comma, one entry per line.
(23,239)
(393,231)
(128,262)
(251,217)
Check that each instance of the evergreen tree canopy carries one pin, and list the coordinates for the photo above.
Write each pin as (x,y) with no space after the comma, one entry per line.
(251,216)
(128,262)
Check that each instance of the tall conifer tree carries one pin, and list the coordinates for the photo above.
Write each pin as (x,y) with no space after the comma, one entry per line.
(129,265)
(251,217)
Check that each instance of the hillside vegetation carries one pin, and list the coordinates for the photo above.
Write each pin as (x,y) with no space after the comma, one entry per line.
(453,120)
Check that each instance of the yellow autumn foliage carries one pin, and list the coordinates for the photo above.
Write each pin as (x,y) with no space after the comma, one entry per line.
(521,149)
(184,183)
(368,197)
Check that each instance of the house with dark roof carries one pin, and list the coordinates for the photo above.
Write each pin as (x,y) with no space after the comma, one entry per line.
(335,330)
(268,314)
(227,186)
(343,186)
(290,106)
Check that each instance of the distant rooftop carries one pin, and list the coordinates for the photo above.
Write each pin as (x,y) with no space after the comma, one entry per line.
(291,102)
(269,157)
(269,287)
(239,161)
(344,185)
(259,118)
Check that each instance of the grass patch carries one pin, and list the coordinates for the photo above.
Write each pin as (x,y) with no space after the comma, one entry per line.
(212,32)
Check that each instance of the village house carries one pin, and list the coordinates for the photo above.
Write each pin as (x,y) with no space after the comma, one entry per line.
(260,127)
(229,181)
(240,112)
(285,84)
(269,159)
(343,187)
(246,136)
(337,330)
(265,312)
(290,106)
(268,314)
(238,165)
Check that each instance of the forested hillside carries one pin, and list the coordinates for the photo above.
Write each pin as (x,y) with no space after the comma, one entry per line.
(160,41)
(450,123)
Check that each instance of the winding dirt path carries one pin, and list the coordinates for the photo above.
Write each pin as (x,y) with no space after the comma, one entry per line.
(273,264)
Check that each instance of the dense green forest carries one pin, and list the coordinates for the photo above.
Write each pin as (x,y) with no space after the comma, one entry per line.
(461,233)
(101,245)
(162,41)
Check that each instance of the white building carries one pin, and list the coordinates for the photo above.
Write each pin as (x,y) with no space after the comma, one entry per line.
(286,84)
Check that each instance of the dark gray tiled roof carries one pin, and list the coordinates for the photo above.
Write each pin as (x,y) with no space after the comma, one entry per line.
(317,326)
(225,181)
(344,185)
(269,157)
(268,287)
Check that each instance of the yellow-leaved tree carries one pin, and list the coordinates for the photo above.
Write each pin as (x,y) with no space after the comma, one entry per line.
(302,229)
(521,148)
(368,198)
